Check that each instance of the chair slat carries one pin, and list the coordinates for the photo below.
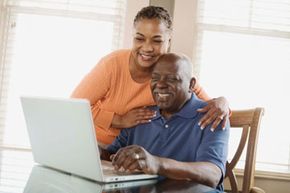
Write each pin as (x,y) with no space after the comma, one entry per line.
(249,121)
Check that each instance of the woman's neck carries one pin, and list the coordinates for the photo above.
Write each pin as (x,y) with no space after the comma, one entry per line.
(138,73)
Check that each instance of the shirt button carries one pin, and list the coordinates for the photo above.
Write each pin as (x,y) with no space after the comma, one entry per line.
(166,126)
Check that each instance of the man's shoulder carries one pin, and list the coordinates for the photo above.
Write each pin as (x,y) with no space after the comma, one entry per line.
(189,110)
(197,102)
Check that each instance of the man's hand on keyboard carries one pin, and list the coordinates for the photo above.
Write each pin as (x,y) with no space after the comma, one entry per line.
(134,157)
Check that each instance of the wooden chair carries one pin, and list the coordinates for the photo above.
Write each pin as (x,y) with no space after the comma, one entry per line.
(249,122)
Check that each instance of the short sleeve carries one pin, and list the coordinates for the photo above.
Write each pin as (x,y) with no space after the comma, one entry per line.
(214,147)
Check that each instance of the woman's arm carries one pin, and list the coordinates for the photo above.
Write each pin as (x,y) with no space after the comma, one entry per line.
(94,87)
(199,91)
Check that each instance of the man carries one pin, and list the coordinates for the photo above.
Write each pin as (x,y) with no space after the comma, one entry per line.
(173,144)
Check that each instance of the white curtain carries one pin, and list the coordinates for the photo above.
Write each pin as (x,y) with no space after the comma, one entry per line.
(243,51)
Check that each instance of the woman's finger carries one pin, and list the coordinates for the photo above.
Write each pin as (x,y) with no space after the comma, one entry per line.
(206,119)
(216,122)
(224,122)
(204,109)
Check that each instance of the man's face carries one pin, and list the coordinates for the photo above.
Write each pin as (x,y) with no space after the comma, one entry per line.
(168,84)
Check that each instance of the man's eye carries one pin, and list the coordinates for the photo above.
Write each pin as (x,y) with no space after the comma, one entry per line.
(154,79)
(158,41)
(172,79)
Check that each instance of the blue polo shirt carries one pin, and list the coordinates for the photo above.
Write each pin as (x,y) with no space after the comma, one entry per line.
(179,138)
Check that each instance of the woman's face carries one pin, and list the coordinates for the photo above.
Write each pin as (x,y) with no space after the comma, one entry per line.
(151,40)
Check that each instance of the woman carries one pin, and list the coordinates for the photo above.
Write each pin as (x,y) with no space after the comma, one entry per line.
(118,87)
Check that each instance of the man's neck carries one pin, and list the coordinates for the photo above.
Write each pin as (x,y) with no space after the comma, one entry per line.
(167,114)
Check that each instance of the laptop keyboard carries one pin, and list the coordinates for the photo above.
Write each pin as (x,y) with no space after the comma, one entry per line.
(108,169)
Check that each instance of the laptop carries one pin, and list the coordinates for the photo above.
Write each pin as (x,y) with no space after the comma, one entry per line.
(62,136)
(43,179)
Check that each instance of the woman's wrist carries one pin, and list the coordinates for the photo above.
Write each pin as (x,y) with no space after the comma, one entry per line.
(117,121)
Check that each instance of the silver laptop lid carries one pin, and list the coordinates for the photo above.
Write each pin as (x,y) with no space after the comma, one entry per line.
(62,136)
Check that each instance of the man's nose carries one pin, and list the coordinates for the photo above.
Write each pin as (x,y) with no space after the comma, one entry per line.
(161,83)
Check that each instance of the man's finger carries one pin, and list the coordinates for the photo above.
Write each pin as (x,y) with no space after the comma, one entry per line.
(119,158)
(142,165)
(134,166)
(112,157)
(128,161)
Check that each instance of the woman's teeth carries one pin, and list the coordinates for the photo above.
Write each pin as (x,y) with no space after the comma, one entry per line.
(146,57)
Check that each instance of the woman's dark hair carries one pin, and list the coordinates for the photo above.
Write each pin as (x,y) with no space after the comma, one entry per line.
(154,12)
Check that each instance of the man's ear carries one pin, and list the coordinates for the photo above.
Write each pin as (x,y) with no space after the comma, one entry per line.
(192,84)
(169,45)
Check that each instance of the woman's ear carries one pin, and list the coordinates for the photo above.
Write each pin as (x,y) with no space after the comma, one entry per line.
(192,84)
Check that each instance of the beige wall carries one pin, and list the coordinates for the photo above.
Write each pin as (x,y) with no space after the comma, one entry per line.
(183,39)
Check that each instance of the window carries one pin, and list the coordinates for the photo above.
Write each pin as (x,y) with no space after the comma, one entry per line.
(243,53)
(46,49)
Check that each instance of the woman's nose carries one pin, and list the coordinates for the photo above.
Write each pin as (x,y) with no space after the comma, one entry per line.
(147,46)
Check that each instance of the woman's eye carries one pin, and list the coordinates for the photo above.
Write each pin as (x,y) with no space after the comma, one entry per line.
(139,39)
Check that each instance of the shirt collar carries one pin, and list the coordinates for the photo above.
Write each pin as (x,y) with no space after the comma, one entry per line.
(189,110)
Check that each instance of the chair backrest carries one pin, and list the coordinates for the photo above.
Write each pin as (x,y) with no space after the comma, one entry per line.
(249,121)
